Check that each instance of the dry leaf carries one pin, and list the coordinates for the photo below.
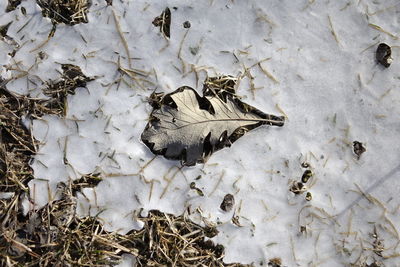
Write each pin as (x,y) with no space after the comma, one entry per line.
(185,126)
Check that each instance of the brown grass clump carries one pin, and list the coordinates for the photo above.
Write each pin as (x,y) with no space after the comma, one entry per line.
(16,143)
(168,240)
(55,236)
(69,12)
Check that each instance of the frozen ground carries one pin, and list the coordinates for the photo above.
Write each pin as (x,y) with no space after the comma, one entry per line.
(317,68)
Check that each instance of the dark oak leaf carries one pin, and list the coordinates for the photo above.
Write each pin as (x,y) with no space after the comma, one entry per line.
(185,126)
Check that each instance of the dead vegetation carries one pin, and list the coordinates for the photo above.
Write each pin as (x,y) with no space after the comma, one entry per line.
(16,142)
(164,22)
(91,180)
(15,106)
(202,124)
(71,78)
(70,12)
(166,240)
(12,5)
(54,235)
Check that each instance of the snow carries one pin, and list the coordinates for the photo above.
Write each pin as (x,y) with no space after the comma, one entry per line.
(332,91)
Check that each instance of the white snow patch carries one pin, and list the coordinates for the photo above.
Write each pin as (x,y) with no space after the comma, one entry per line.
(333,93)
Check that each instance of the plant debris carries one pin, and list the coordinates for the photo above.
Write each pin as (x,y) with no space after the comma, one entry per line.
(166,240)
(305,165)
(377,245)
(184,126)
(12,5)
(298,188)
(8,39)
(306,176)
(186,24)
(358,149)
(383,55)
(164,22)
(228,203)
(4,29)
(55,236)
(275,262)
(16,142)
(198,190)
(374,264)
(71,79)
(70,12)
(86,181)
(57,92)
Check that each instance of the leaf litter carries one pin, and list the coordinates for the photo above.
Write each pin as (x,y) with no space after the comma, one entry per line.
(54,235)
(187,127)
